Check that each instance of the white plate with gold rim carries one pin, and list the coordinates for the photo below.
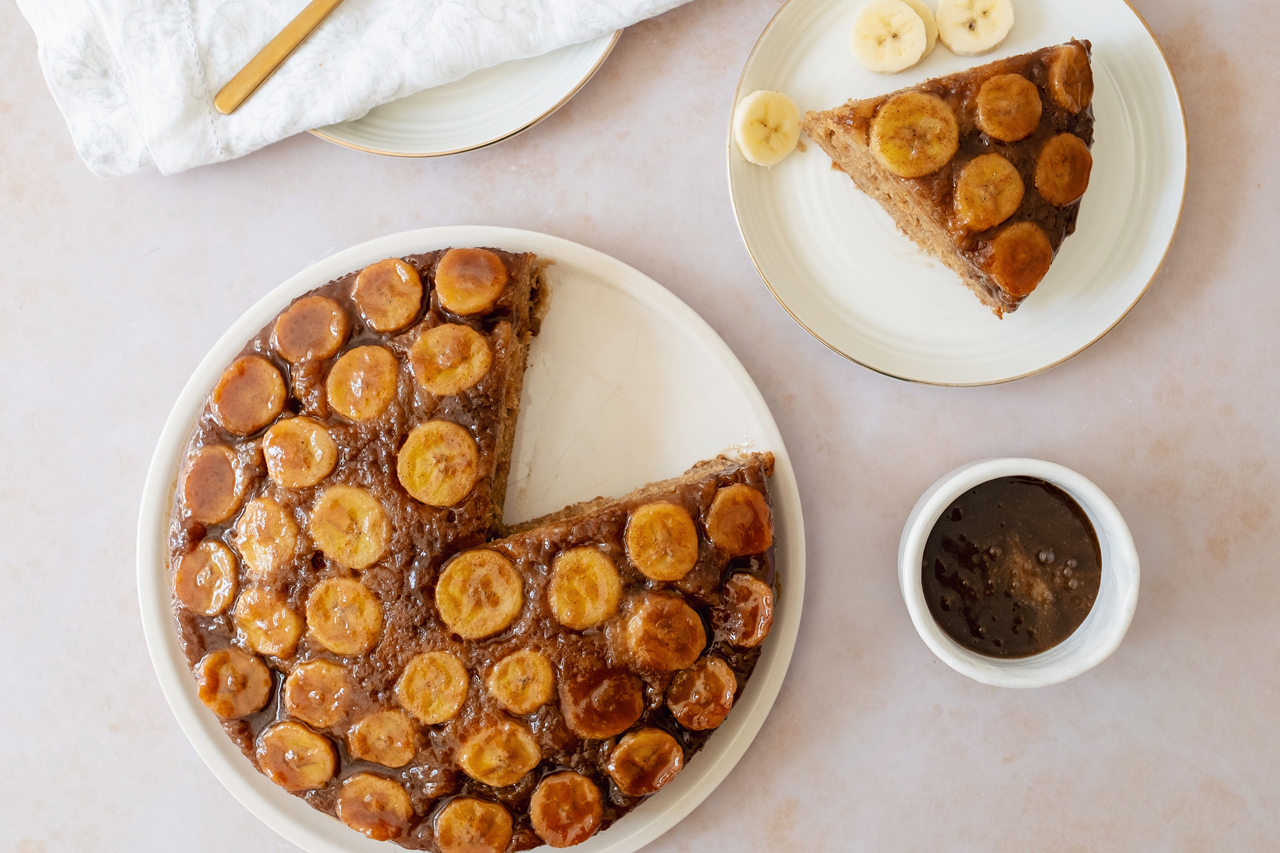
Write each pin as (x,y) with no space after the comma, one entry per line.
(837,263)
(485,107)
(625,385)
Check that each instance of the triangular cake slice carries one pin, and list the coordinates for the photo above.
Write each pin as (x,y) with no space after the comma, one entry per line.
(983,169)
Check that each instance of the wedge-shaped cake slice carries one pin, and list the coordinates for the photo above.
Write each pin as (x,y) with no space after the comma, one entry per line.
(983,169)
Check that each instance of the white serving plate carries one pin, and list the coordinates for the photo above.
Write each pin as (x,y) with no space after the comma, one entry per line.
(837,263)
(485,107)
(626,384)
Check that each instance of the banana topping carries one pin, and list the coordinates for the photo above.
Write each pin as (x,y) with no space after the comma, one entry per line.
(266,622)
(664,633)
(644,761)
(584,589)
(988,191)
(971,27)
(267,537)
(479,593)
(383,737)
(343,616)
(1008,107)
(1071,78)
(249,395)
(439,463)
(314,327)
(1019,257)
(468,825)
(701,696)
(205,581)
(388,294)
(889,36)
(362,383)
(211,485)
(1062,169)
(376,806)
(601,703)
(470,281)
(500,754)
(296,758)
(522,682)
(449,359)
(232,684)
(350,526)
(319,693)
(433,687)
(566,809)
(914,134)
(766,127)
(745,614)
(299,452)
(740,521)
(662,541)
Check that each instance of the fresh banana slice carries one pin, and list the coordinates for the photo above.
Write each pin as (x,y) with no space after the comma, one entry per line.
(500,754)
(1018,258)
(299,452)
(1071,78)
(319,693)
(296,758)
(701,696)
(601,703)
(766,127)
(889,36)
(644,761)
(211,485)
(930,25)
(522,682)
(584,589)
(383,737)
(468,825)
(433,687)
(267,537)
(662,541)
(971,27)
(1008,107)
(350,526)
(439,463)
(378,807)
(1062,169)
(740,521)
(362,383)
(470,281)
(745,613)
(343,616)
(388,294)
(232,684)
(205,581)
(266,622)
(988,191)
(566,809)
(314,327)
(914,134)
(449,359)
(479,593)
(249,395)
(664,633)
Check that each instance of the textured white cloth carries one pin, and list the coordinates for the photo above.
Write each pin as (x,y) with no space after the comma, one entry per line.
(135,79)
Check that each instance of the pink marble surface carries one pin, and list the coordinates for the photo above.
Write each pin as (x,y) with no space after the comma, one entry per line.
(112,291)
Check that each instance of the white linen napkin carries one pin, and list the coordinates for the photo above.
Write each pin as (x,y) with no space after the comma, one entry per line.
(135,79)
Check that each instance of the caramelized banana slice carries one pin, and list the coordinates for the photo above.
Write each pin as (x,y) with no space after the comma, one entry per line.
(988,191)
(351,528)
(501,754)
(449,359)
(376,806)
(662,541)
(383,737)
(388,294)
(468,825)
(470,281)
(701,696)
(232,684)
(249,395)
(522,682)
(566,809)
(299,452)
(479,593)
(205,581)
(362,383)
(1019,257)
(664,633)
(601,703)
(644,761)
(267,538)
(343,616)
(1008,107)
(1071,78)
(745,614)
(740,521)
(267,624)
(433,687)
(1062,169)
(313,327)
(584,589)
(439,463)
(914,134)
(319,693)
(296,758)
(211,485)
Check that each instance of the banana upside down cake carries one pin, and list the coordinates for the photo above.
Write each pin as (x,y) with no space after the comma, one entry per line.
(372,636)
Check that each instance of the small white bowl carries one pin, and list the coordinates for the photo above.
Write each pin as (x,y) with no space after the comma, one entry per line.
(1102,630)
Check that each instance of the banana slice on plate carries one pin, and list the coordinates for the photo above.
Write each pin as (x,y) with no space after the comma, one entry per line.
(319,693)
(449,359)
(522,682)
(266,622)
(267,537)
(296,758)
(314,327)
(433,687)
(205,581)
(585,588)
(468,825)
(470,281)
(914,134)
(766,127)
(249,395)
(344,616)
(644,761)
(601,703)
(744,615)
(299,452)
(231,683)
(1020,255)
(988,191)
(971,27)
(701,696)
(362,383)
(1071,78)
(566,809)
(383,737)
(212,485)
(501,754)
(479,593)
(889,36)
(350,526)
(930,25)
(1008,107)
(388,294)
(439,463)
(1062,169)
(376,806)
(662,541)
(664,633)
